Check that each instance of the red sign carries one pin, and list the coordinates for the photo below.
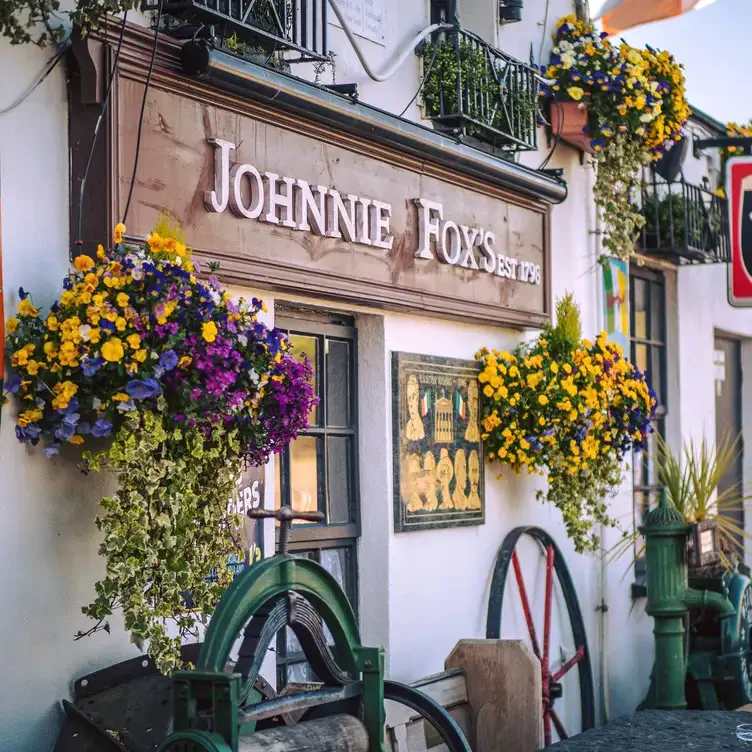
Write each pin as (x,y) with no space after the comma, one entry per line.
(739,189)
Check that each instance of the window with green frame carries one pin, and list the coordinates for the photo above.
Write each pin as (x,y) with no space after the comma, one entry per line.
(647,311)
(319,470)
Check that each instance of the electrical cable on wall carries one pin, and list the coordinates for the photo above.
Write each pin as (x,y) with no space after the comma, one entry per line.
(399,60)
(102,110)
(49,66)
(143,108)
(423,81)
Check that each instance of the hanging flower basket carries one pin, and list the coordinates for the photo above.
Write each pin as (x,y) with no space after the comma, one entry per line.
(187,387)
(569,121)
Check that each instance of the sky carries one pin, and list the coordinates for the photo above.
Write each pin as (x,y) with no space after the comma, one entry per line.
(714,45)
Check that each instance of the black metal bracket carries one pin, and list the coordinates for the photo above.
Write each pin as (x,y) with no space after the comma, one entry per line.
(745,144)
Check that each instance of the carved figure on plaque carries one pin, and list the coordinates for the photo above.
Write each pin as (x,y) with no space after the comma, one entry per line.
(473,464)
(414,429)
(415,483)
(444,474)
(460,480)
(438,455)
(443,425)
(472,432)
(429,468)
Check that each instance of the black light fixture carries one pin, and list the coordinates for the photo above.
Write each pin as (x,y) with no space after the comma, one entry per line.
(510,11)
(670,164)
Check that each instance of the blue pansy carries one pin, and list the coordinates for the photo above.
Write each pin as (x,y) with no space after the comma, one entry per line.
(64,431)
(168,360)
(71,419)
(101,428)
(143,388)
(108,326)
(51,450)
(92,365)
(28,433)
(13,384)
(22,294)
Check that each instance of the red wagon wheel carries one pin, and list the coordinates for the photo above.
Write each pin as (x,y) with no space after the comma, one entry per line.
(557,588)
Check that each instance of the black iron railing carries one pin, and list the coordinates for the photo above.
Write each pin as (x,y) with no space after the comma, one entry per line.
(683,222)
(473,89)
(263,26)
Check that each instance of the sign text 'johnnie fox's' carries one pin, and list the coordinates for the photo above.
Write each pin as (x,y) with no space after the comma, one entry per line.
(294,203)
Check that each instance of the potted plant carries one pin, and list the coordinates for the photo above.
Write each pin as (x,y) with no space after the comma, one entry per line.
(690,481)
(173,387)
(569,409)
(635,104)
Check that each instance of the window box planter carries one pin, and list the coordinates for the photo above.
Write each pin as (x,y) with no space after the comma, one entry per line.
(568,121)
(475,90)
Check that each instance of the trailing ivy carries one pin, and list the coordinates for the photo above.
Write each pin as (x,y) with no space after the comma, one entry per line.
(164,530)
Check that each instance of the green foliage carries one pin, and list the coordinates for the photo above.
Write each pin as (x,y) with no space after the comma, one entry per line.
(568,409)
(567,333)
(467,65)
(688,218)
(617,181)
(691,481)
(164,529)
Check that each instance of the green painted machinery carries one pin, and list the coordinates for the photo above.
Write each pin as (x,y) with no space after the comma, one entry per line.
(217,711)
(703,623)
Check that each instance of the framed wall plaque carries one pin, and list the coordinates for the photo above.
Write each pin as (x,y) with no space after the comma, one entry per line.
(438,455)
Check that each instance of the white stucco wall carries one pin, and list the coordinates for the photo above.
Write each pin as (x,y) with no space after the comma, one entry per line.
(48,539)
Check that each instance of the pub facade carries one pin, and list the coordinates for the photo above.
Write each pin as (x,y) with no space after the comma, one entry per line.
(390,248)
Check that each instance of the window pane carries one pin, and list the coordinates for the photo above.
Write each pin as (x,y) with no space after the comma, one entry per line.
(657,312)
(299,672)
(337,383)
(304,474)
(291,644)
(641,358)
(309,346)
(338,474)
(655,378)
(334,560)
(639,313)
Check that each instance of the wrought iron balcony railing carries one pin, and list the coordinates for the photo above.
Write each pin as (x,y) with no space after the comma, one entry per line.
(259,25)
(472,89)
(683,222)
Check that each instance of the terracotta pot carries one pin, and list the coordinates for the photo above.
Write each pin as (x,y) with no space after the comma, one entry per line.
(569,119)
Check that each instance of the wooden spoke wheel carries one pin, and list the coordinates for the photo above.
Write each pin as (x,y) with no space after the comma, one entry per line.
(533,598)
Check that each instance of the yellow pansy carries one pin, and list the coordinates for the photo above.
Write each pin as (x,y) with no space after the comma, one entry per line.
(11,325)
(83,263)
(112,350)
(118,233)
(209,332)
(26,308)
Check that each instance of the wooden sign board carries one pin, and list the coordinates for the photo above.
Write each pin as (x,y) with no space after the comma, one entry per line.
(438,455)
(422,239)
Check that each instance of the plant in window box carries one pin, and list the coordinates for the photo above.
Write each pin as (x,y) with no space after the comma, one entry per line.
(636,108)
(569,409)
(186,386)
(690,480)
(465,82)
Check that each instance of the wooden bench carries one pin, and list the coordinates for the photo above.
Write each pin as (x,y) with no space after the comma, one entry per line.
(492,688)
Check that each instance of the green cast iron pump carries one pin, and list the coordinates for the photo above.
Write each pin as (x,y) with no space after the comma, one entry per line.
(669,599)
(216,710)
